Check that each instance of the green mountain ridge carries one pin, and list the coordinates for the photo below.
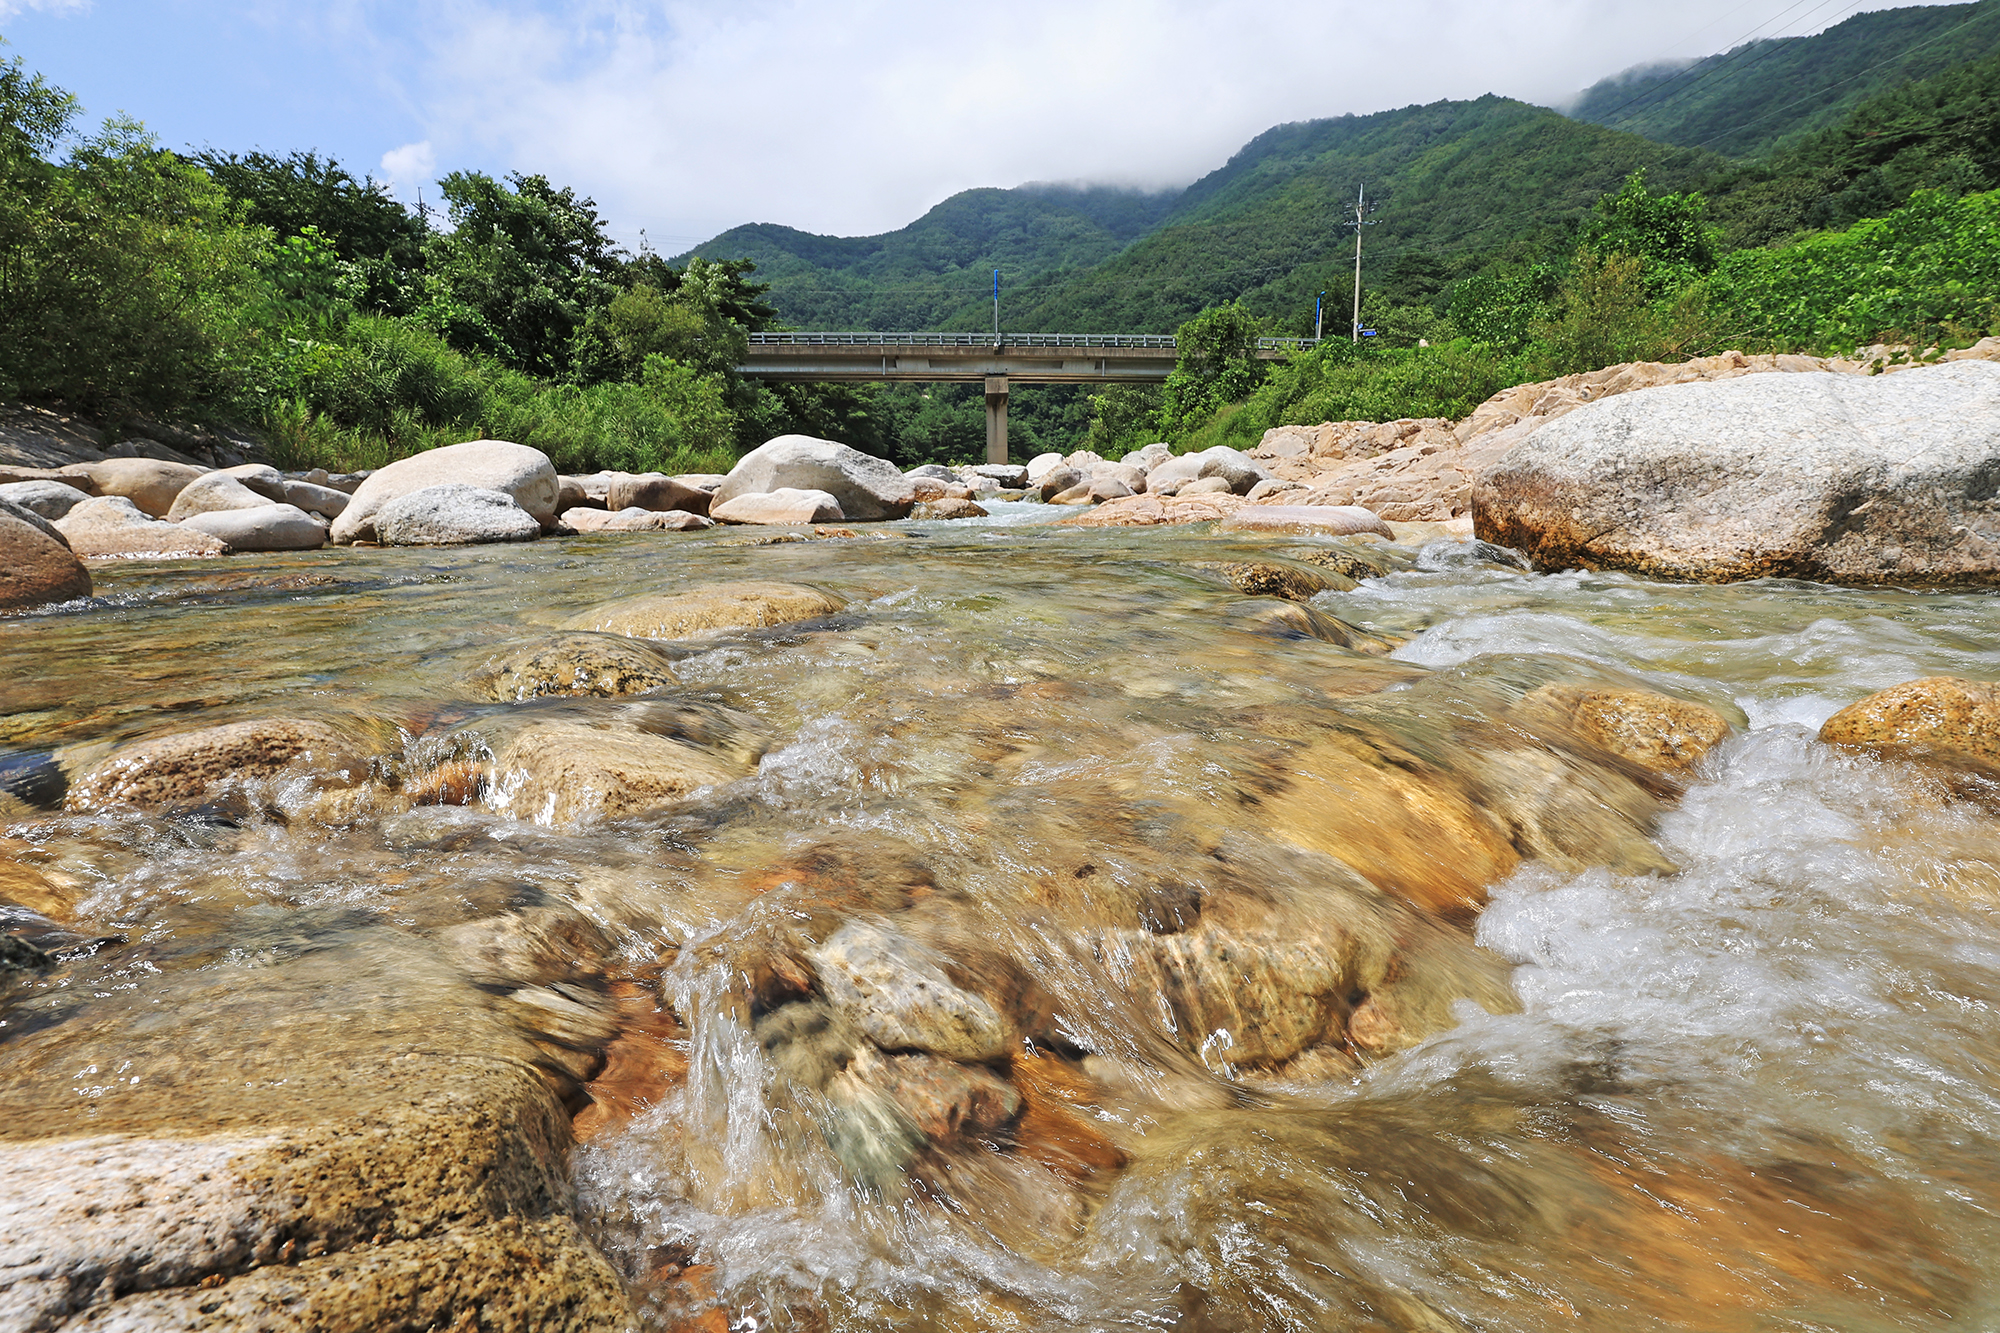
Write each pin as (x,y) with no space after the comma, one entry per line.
(1745,101)
(1847,122)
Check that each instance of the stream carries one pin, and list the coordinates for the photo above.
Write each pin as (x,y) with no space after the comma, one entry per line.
(1069,939)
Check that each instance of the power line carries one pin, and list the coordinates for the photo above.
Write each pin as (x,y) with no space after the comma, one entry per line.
(1726,53)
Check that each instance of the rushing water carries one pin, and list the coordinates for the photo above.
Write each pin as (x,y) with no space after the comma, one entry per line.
(1736,1071)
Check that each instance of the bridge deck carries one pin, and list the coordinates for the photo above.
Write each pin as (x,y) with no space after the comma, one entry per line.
(1030,358)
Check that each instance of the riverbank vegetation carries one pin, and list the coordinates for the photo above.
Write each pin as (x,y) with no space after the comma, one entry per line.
(286,298)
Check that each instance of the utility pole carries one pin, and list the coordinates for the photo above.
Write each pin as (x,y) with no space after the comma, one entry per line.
(996,312)
(1360,221)
(1319,317)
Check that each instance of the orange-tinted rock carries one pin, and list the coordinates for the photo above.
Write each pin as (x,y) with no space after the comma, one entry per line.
(182,767)
(1945,717)
(1654,731)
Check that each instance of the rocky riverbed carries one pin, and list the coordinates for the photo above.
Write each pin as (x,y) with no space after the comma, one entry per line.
(1277,918)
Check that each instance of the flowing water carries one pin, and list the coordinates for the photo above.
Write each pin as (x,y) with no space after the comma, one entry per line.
(1718,1050)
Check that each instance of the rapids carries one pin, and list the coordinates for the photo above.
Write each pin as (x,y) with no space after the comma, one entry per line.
(1727,1058)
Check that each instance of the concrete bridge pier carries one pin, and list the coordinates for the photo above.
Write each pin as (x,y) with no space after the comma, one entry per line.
(996,418)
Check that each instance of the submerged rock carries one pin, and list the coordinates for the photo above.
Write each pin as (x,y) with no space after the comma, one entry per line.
(181,768)
(524,475)
(570,772)
(579,664)
(718,606)
(895,990)
(37,566)
(1835,478)
(1271,578)
(1937,717)
(1659,733)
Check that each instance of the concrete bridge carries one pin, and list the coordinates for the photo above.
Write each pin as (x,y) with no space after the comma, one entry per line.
(974,358)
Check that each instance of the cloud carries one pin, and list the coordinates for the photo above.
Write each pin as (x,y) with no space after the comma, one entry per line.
(685,117)
(406,168)
(10,8)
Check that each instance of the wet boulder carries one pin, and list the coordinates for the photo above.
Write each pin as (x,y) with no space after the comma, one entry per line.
(1058,480)
(112,525)
(578,664)
(1848,479)
(51,499)
(453,514)
(266,527)
(784,506)
(745,605)
(948,509)
(1654,731)
(181,768)
(562,773)
(1944,718)
(865,487)
(1272,578)
(37,566)
(523,475)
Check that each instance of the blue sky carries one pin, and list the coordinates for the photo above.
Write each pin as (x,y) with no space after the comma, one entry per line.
(684,117)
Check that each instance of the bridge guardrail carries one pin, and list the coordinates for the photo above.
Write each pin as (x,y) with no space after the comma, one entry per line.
(1158,341)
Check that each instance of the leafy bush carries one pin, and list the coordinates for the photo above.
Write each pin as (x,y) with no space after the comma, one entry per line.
(1928,272)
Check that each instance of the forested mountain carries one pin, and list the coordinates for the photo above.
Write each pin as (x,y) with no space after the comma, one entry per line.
(930,273)
(1746,100)
(1448,182)
(1781,135)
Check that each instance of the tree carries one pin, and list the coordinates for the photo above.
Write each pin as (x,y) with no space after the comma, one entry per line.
(1668,233)
(1215,364)
(520,270)
(125,273)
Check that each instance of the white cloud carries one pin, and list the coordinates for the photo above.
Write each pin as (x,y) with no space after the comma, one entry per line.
(406,168)
(688,116)
(10,8)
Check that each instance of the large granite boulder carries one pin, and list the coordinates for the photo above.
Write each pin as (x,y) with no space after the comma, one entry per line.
(215,492)
(151,484)
(865,487)
(51,499)
(524,475)
(1837,478)
(112,525)
(36,565)
(315,498)
(454,514)
(265,527)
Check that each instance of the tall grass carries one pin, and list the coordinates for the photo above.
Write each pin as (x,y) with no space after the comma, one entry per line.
(384,389)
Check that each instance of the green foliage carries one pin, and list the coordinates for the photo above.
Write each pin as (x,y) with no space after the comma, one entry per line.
(1668,235)
(1926,273)
(1123,417)
(1747,100)
(1939,133)
(1215,364)
(124,272)
(520,270)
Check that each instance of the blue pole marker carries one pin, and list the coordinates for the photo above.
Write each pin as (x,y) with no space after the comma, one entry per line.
(996,307)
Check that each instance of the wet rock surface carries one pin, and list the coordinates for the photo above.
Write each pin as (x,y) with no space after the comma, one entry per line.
(720,606)
(1939,718)
(578,663)
(37,566)
(181,768)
